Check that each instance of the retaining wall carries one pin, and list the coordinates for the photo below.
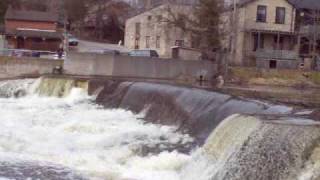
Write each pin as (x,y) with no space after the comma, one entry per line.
(14,66)
(138,67)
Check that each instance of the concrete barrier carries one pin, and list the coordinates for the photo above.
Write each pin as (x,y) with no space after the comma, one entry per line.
(137,67)
(14,66)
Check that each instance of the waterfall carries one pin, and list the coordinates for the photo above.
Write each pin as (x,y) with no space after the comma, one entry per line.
(177,133)
(193,110)
(15,88)
(58,87)
(253,147)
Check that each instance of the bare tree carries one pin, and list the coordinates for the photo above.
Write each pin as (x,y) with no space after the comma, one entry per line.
(203,23)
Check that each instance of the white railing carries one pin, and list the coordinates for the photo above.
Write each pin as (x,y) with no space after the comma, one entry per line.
(29,53)
(310,29)
(274,54)
(251,24)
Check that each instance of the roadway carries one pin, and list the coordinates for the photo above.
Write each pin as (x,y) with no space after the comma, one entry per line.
(85,46)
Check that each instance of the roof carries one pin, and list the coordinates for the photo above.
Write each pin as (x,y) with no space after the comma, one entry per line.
(306,4)
(162,6)
(245,2)
(35,34)
(23,15)
(299,4)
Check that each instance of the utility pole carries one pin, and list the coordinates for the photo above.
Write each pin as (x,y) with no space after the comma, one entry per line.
(233,36)
(315,34)
(65,33)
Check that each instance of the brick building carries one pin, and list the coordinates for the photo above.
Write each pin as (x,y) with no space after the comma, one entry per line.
(32,30)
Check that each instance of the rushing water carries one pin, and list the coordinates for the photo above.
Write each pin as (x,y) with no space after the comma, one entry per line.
(72,137)
(98,143)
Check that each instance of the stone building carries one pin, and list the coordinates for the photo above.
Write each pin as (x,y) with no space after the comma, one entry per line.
(153,30)
(263,34)
(32,30)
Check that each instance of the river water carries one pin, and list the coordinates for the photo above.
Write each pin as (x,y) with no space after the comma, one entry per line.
(72,138)
(91,141)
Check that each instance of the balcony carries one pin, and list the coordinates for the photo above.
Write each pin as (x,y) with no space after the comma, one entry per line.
(252,25)
(310,29)
(274,54)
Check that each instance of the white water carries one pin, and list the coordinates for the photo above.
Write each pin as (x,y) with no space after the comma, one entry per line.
(107,144)
(99,143)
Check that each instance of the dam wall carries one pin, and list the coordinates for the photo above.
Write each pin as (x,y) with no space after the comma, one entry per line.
(193,110)
(20,66)
(137,67)
(235,138)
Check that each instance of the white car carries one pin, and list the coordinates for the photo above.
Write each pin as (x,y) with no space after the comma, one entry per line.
(73,41)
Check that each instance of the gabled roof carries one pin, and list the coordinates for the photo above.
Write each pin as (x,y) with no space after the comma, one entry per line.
(299,4)
(245,2)
(35,34)
(31,15)
(306,4)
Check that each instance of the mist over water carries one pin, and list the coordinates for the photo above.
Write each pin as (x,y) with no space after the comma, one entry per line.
(98,143)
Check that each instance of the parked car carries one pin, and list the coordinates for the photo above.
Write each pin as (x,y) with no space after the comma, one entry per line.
(73,41)
(144,53)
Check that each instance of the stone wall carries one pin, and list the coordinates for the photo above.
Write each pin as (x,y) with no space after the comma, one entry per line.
(13,66)
(137,67)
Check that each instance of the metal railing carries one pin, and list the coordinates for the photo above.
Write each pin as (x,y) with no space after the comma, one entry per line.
(251,24)
(274,54)
(30,53)
(309,29)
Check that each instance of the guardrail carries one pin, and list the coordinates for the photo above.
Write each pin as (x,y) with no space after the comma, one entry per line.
(274,54)
(252,24)
(310,29)
(30,53)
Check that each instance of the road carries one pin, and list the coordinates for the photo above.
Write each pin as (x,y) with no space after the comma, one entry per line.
(85,46)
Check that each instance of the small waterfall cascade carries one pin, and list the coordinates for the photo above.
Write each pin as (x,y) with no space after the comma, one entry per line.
(15,88)
(58,87)
(253,147)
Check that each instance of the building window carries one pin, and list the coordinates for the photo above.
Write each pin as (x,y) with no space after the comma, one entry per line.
(136,43)
(158,42)
(147,41)
(280,15)
(262,13)
(138,28)
(179,43)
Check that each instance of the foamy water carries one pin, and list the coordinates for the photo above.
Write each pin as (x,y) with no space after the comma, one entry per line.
(99,143)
